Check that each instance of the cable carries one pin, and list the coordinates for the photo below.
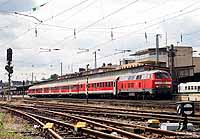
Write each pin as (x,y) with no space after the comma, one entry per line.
(112,13)
(82,9)
(22,34)
(103,18)
(66,10)
(170,18)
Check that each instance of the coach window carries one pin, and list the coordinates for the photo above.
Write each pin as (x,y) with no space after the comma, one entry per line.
(148,76)
(191,87)
(185,87)
(188,87)
(111,84)
(195,87)
(198,88)
(144,76)
(138,77)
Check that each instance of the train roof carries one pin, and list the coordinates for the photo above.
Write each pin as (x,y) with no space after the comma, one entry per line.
(78,81)
(130,76)
(91,80)
(189,83)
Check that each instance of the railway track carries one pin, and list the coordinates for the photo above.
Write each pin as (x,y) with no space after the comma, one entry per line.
(124,121)
(65,130)
(162,104)
(139,104)
(117,127)
(117,113)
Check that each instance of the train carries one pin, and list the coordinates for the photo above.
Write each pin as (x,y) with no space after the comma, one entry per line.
(189,87)
(153,83)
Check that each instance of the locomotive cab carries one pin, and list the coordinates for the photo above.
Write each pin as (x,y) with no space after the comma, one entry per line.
(162,84)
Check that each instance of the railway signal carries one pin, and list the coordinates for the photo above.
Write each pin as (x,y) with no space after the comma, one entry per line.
(185,109)
(9,68)
(9,54)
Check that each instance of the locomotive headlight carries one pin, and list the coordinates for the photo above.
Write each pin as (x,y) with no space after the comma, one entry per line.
(157,86)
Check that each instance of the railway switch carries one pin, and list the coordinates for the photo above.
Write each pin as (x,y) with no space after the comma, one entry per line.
(48,126)
(79,125)
(153,123)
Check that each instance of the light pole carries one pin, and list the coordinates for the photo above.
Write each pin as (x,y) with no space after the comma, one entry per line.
(61,69)
(87,85)
(95,58)
(50,50)
(83,50)
(32,75)
(157,49)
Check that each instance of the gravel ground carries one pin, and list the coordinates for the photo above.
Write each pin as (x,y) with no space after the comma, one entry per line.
(12,127)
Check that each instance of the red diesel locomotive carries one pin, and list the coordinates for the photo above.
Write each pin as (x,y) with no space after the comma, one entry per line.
(152,83)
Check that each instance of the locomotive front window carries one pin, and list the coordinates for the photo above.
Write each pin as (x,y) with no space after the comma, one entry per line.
(161,75)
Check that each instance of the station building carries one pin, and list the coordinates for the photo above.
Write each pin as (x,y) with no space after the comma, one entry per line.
(185,65)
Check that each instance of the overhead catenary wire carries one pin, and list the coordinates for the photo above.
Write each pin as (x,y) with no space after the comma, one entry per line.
(179,11)
(68,10)
(159,22)
(104,43)
(100,19)
(43,21)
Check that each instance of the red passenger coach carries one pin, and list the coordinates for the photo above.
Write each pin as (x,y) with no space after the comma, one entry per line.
(149,83)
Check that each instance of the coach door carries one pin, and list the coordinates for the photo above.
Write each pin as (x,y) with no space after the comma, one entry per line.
(115,91)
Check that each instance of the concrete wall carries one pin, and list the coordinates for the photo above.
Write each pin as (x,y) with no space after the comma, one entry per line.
(196,62)
(183,56)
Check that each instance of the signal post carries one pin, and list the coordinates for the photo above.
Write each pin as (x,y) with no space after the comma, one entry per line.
(9,69)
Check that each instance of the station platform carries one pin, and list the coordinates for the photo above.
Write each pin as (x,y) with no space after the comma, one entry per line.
(187,97)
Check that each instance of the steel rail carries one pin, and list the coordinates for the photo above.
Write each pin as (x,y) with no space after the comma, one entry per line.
(148,129)
(135,115)
(53,133)
(159,131)
(85,130)
(122,132)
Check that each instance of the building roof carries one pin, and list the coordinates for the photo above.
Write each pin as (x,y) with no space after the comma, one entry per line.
(163,49)
(146,51)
